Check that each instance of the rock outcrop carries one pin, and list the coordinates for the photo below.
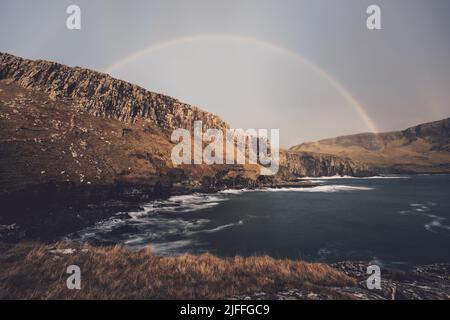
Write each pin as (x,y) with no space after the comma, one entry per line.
(420,149)
(86,92)
(428,282)
(100,94)
(305,164)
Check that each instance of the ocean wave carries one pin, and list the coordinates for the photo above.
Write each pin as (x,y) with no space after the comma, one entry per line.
(159,225)
(235,191)
(181,204)
(436,223)
(171,247)
(420,209)
(351,177)
(325,188)
(220,228)
(163,225)
(318,188)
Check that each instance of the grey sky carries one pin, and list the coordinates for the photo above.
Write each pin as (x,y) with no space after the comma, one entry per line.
(252,62)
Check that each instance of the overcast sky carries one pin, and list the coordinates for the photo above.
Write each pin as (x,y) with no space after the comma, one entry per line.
(309,68)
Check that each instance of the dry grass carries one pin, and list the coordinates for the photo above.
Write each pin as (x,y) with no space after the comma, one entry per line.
(31,271)
(390,150)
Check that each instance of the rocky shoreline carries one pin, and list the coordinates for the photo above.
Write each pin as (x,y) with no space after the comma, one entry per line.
(53,219)
(428,282)
(52,211)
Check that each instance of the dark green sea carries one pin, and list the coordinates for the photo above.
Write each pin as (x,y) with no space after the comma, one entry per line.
(395,220)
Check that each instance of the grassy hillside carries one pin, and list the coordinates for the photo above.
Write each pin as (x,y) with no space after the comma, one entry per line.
(423,148)
(31,271)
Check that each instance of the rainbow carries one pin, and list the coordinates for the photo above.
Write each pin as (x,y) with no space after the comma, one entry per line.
(266,45)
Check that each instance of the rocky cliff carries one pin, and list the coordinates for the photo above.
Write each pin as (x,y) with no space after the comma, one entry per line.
(63,124)
(424,148)
(303,164)
(53,107)
(101,95)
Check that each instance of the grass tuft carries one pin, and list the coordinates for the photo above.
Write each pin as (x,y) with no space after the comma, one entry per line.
(36,271)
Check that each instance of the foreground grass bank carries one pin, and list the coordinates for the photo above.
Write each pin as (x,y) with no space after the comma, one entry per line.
(37,271)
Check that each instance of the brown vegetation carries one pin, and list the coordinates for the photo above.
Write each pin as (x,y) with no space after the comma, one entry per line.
(420,149)
(31,271)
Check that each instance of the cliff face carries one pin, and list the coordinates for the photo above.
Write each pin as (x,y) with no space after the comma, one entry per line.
(63,124)
(53,107)
(422,148)
(101,95)
(303,164)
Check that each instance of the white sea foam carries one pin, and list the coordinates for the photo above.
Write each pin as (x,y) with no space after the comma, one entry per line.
(184,203)
(161,223)
(170,247)
(327,188)
(220,228)
(419,209)
(235,191)
(351,177)
(319,188)
(157,225)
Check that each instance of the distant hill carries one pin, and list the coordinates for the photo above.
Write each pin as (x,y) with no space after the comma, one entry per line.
(420,149)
